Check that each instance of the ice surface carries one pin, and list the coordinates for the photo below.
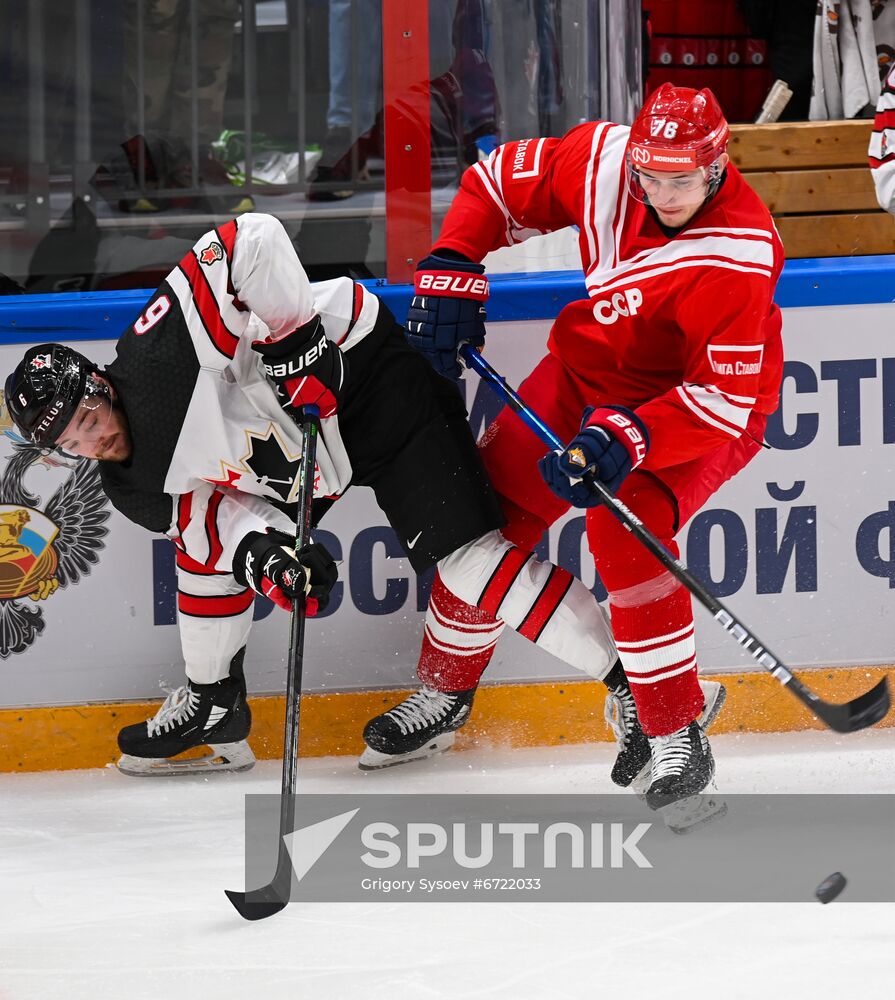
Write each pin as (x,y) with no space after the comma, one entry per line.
(113,888)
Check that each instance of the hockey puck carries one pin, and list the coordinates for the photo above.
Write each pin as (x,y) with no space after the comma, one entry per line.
(830,888)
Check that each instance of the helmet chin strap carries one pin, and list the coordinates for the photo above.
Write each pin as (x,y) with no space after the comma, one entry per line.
(714,173)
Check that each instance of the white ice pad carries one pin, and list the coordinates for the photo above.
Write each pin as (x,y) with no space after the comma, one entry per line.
(113,888)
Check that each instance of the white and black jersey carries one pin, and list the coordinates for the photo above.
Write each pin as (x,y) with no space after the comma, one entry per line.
(882,145)
(201,412)
(215,456)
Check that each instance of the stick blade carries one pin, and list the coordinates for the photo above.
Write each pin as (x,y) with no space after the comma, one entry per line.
(864,711)
(258,904)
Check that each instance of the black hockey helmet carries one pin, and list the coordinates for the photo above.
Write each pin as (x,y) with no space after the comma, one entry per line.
(46,388)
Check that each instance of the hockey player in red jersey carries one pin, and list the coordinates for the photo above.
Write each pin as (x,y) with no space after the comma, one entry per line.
(661,382)
(191,427)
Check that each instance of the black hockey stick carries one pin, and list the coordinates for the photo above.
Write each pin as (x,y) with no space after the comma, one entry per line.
(273,897)
(865,710)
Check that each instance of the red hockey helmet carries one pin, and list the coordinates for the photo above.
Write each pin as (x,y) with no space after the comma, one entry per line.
(678,129)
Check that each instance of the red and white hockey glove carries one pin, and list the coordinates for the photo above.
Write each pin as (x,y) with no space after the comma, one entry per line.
(448,309)
(305,368)
(267,564)
(612,441)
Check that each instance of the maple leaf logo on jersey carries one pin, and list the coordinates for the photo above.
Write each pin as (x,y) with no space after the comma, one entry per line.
(271,465)
(735,359)
(214,251)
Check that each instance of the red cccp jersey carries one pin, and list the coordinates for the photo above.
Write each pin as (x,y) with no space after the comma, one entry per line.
(681,327)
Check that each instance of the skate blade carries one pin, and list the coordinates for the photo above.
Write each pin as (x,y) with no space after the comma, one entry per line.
(715,695)
(373,760)
(687,815)
(219,757)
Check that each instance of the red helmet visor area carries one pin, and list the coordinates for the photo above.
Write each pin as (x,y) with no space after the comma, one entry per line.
(679,132)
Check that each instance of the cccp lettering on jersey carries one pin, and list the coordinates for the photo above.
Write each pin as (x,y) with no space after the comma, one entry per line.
(626,303)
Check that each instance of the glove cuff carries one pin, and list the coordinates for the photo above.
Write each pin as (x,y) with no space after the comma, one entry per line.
(239,558)
(625,427)
(451,279)
(292,342)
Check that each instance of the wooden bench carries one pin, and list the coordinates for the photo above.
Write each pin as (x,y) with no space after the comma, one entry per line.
(814,178)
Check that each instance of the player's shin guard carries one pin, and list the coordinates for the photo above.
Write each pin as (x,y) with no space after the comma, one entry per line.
(478,590)
(542,602)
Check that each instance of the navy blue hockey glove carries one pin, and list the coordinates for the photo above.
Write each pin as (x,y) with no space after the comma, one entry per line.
(305,367)
(266,562)
(447,310)
(612,441)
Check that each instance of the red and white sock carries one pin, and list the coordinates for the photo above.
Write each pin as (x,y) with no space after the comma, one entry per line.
(658,651)
(458,642)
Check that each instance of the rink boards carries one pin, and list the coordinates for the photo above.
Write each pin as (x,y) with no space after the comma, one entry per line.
(801,545)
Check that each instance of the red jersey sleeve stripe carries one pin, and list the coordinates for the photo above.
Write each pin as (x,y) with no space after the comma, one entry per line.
(227,235)
(356,307)
(713,419)
(207,307)
(215,607)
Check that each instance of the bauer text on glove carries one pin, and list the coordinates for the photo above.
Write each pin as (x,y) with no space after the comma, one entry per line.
(612,441)
(305,368)
(448,309)
(266,562)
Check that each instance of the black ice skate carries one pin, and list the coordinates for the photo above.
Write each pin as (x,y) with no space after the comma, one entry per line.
(420,726)
(682,766)
(216,716)
(632,762)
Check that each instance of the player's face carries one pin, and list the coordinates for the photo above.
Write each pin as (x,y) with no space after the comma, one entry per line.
(98,429)
(677,197)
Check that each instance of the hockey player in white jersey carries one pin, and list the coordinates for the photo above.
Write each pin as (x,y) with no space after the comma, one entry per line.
(882,145)
(189,429)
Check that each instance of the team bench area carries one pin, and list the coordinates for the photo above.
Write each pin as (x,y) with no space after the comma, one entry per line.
(815,179)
